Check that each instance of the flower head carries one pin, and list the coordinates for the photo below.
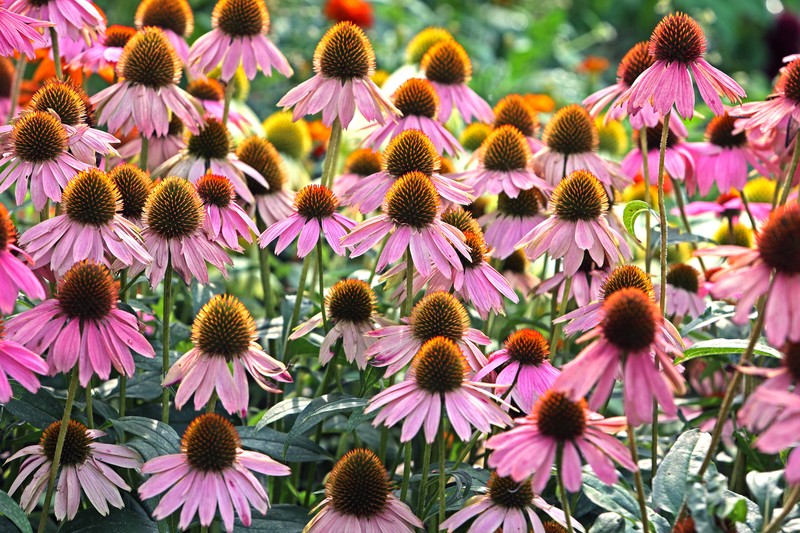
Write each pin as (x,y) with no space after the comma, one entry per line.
(134,186)
(685,291)
(513,219)
(225,220)
(273,202)
(174,17)
(79,20)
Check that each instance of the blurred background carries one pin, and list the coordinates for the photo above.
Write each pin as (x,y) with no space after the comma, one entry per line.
(562,48)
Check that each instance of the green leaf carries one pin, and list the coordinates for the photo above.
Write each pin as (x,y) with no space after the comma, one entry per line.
(714,313)
(281,518)
(320,410)
(276,445)
(616,499)
(283,409)
(90,521)
(12,511)
(154,438)
(717,347)
(39,410)
(633,209)
(766,488)
(679,468)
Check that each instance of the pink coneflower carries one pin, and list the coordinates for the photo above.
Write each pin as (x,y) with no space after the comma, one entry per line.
(134,186)
(211,148)
(685,292)
(773,267)
(729,206)
(350,307)
(315,213)
(359,499)
(35,150)
(83,325)
(224,335)
(438,314)
(360,164)
(104,54)
(585,285)
(527,371)
(160,147)
(412,215)
(76,19)
(448,67)
(225,220)
(210,93)
(147,94)
(20,34)
(343,63)
(577,223)
(760,408)
(90,228)
(516,269)
(212,470)
(571,142)
(558,422)
(20,364)
(629,337)
(174,17)
(513,219)
(409,151)
(677,45)
(15,276)
(238,36)
(173,234)
(513,110)
(679,161)
(504,160)
(273,203)
(779,109)
(507,505)
(437,384)
(85,467)
(417,101)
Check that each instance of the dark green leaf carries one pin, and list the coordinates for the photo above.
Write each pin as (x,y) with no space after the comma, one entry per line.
(718,347)
(283,409)
(39,410)
(154,438)
(320,410)
(90,521)
(678,468)
(279,519)
(275,444)
(12,511)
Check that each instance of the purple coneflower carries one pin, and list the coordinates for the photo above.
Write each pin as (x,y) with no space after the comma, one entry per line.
(779,109)
(359,165)
(513,110)
(20,364)
(685,292)
(160,147)
(104,54)
(273,202)
(174,17)
(225,220)
(75,19)
(513,219)
(15,276)
(584,285)
(134,186)
(20,34)
(679,161)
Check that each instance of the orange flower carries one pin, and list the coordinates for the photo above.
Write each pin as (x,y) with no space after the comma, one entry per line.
(46,70)
(541,103)
(320,133)
(593,65)
(358,12)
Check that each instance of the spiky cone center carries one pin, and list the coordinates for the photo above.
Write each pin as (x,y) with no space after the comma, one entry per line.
(344,53)
(627,277)
(91,198)
(212,142)
(8,232)
(719,132)
(791,359)
(358,484)
(778,244)
(175,127)
(206,89)
(412,201)
(742,235)
(505,149)
(223,328)
(654,137)
(363,162)
(684,277)
(150,60)
(38,137)
(508,493)
(571,131)
(553,527)
(678,37)
(87,291)
(478,207)
(634,62)
(789,81)
(516,263)
(423,41)
(528,347)
(215,190)
(528,203)
(61,98)
(315,201)
(350,300)
(173,15)
(174,209)
(514,111)
(630,320)
(579,196)
(439,314)
(416,97)
(559,417)
(439,366)
(447,63)
(117,36)
(6,77)
(210,443)
(134,186)
(411,151)
(461,220)
(446,166)
(261,155)
(76,449)
(473,136)
(240,18)
(477,250)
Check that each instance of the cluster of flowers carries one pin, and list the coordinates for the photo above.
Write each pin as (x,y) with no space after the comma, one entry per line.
(165,191)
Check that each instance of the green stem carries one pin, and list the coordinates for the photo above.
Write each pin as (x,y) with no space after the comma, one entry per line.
(637,478)
(662,210)
(562,309)
(266,275)
(167,311)
(406,471)
(746,204)
(466,449)
(212,402)
(787,184)
(442,470)
(229,87)
(19,75)
(62,435)
(409,302)
(423,482)
(320,271)
(685,220)
(89,408)
(775,524)
(298,300)
(561,490)
(332,154)
(648,253)
(123,402)
(56,53)
(144,154)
